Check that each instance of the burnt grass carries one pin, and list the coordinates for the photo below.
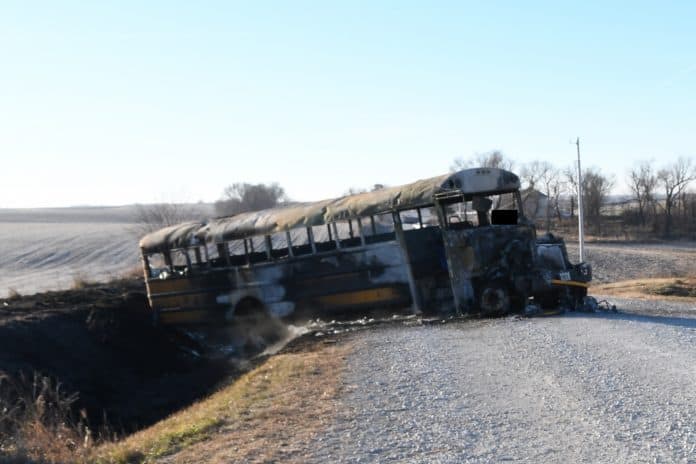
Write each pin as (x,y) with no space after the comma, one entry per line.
(97,341)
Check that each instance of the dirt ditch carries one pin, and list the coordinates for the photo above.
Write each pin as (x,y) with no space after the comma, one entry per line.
(94,342)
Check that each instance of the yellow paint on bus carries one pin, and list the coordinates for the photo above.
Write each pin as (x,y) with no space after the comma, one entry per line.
(571,283)
(374,295)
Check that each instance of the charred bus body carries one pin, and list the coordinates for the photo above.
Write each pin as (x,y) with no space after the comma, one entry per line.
(457,243)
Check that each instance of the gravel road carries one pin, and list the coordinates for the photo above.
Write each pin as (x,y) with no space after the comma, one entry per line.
(600,387)
(615,262)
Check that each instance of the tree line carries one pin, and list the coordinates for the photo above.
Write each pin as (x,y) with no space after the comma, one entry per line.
(675,208)
(661,201)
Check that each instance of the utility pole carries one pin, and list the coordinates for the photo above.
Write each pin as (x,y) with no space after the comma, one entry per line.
(581,229)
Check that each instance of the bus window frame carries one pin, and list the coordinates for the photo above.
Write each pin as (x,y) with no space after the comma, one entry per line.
(312,243)
(267,241)
(360,231)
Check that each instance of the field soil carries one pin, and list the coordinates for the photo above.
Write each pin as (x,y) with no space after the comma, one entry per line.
(55,248)
(51,249)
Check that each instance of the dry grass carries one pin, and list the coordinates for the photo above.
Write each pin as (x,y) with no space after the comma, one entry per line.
(80,282)
(37,424)
(264,416)
(672,288)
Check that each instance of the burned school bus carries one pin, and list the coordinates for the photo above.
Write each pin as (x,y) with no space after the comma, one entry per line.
(453,244)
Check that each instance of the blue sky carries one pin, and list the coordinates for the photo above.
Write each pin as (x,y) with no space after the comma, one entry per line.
(114,103)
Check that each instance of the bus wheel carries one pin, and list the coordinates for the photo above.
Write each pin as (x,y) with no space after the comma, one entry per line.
(494,299)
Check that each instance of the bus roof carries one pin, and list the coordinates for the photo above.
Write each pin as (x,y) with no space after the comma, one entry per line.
(414,195)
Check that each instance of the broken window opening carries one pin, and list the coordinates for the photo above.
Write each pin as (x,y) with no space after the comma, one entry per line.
(156,264)
(361,232)
(195,256)
(344,233)
(312,243)
(336,237)
(458,215)
(323,238)
(279,246)
(218,255)
(383,227)
(236,252)
(428,217)
(410,219)
(300,242)
(181,263)
(483,211)
(256,250)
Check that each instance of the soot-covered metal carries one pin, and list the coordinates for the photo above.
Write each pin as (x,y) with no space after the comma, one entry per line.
(431,246)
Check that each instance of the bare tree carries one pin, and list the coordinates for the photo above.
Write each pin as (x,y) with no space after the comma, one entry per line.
(571,181)
(552,185)
(690,214)
(533,171)
(643,181)
(242,197)
(151,217)
(674,179)
(489,159)
(596,188)
(546,178)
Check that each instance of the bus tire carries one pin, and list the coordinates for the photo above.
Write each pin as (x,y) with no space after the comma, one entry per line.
(494,299)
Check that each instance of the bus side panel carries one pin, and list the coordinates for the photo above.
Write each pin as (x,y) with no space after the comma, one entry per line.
(188,299)
(210,295)
(426,251)
(371,276)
